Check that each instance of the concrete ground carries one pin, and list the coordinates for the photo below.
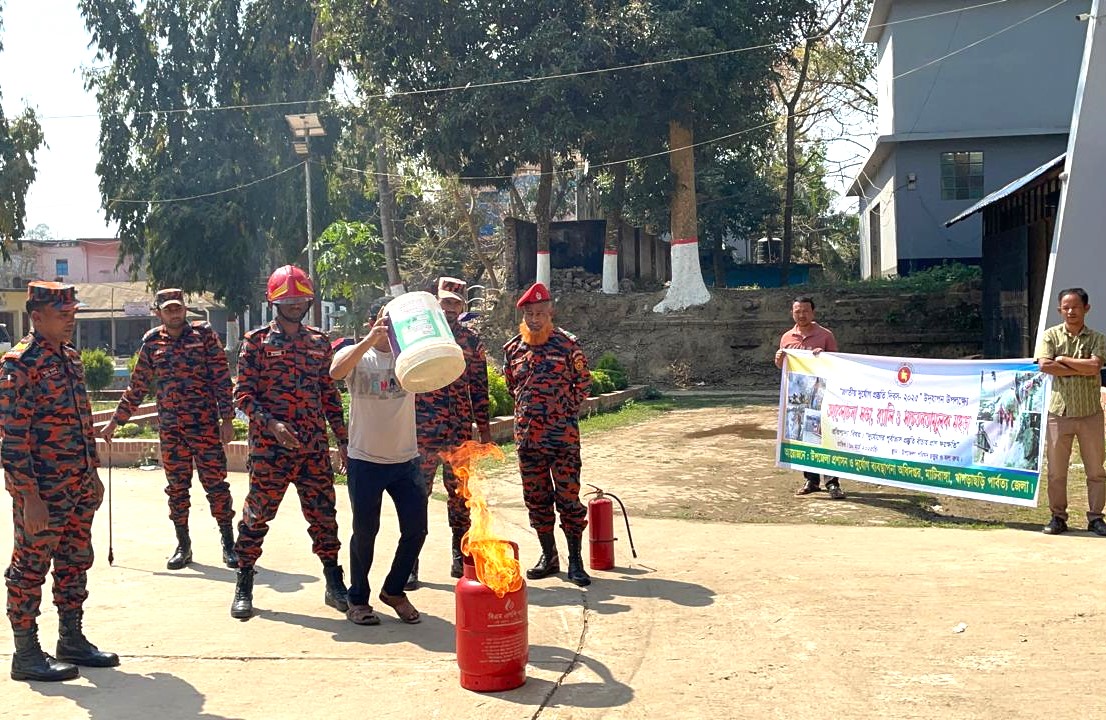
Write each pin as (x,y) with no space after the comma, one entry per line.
(711,621)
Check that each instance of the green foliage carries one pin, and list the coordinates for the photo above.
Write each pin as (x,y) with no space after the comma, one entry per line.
(937,279)
(608,363)
(490,129)
(350,263)
(158,56)
(20,138)
(130,430)
(99,369)
(500,400)
(241,429)
(600,383)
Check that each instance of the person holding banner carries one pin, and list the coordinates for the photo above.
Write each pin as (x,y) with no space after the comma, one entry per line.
(1072,354)
(809,335)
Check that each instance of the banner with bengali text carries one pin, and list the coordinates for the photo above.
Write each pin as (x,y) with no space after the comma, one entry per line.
(971,428)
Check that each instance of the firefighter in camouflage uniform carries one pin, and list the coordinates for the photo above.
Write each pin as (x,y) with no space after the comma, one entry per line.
(547,374)
(187,364)
(50,460)
(445,417)
(285,388)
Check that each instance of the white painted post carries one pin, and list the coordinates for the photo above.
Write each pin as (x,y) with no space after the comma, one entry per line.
(1076,257)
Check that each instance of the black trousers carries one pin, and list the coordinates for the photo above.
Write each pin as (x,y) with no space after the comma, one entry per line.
(367,484)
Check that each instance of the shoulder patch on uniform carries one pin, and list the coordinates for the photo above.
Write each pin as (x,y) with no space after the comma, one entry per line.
(567,334)
(17,350)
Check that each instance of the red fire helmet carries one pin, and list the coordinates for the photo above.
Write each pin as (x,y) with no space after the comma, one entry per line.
(289,284)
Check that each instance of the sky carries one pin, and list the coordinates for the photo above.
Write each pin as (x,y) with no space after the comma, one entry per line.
(45,48)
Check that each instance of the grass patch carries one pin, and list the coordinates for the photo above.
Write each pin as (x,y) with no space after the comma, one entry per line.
(932,280)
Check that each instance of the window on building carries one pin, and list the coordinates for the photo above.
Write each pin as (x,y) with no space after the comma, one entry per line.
(61,267)
(961,175)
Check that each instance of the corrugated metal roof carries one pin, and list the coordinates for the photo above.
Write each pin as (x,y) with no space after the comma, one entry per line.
(101,298)
(1009,189)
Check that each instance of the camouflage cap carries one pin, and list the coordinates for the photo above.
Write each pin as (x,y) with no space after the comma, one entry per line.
(60,295)
(168,296)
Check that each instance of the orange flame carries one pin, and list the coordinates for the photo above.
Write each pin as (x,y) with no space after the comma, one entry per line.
(496,566)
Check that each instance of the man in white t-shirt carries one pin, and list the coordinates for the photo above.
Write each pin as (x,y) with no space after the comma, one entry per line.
(383,457)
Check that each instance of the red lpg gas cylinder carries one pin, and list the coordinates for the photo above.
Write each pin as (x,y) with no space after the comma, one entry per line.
(492,643)
(601,532)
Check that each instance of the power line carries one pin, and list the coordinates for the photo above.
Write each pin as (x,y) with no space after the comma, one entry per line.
(711,141)
(984,39)
(555,172)
(518,81)
(162,201)
(939,14)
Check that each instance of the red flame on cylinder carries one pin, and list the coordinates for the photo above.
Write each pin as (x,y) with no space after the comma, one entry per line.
(496,566)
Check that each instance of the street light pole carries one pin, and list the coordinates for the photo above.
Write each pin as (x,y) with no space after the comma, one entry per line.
(304,127)
(316,304)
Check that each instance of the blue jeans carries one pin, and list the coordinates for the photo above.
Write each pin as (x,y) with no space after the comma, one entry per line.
(368,481)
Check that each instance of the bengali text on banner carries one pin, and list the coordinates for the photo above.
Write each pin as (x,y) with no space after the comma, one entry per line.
(971,428)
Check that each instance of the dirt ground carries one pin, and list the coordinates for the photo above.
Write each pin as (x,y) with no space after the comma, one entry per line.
(714,459)
(792,614)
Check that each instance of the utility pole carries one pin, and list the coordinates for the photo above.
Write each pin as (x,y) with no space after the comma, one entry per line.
(387,215)
(304,127)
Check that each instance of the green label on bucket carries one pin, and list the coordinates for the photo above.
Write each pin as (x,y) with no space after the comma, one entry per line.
(417,327)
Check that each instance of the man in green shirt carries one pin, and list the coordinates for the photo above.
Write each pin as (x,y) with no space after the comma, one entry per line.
(1072,354)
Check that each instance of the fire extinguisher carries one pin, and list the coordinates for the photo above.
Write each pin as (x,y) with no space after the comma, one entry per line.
(601,529)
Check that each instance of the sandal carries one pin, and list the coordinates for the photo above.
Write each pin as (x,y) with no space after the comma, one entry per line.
(403,607)
(362,615)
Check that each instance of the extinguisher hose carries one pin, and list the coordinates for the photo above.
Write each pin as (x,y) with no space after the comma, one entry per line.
(626,517)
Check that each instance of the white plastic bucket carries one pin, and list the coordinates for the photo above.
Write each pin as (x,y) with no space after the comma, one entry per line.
(427,356)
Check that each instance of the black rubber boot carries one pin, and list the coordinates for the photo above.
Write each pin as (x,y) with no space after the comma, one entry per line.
(242,607)
(30,663)
(576,573)
(549,563)
(335,595)
(183,554)
(412,579)
(457,562)
(74,647)
(226,535)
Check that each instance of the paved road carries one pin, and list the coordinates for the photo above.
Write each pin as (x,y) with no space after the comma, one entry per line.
(712,621)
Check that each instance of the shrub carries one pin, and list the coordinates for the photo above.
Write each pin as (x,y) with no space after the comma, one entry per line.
(500,400)
(600,382)
(608,363)
(128,431)
(99,369)
(241,429)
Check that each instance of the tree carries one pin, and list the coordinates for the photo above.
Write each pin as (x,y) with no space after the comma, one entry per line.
(823,91)
(183,180)
(733,199)
(20,139)
(350,264)
(99,369)
(700,99)
(485,132)
(442,227)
